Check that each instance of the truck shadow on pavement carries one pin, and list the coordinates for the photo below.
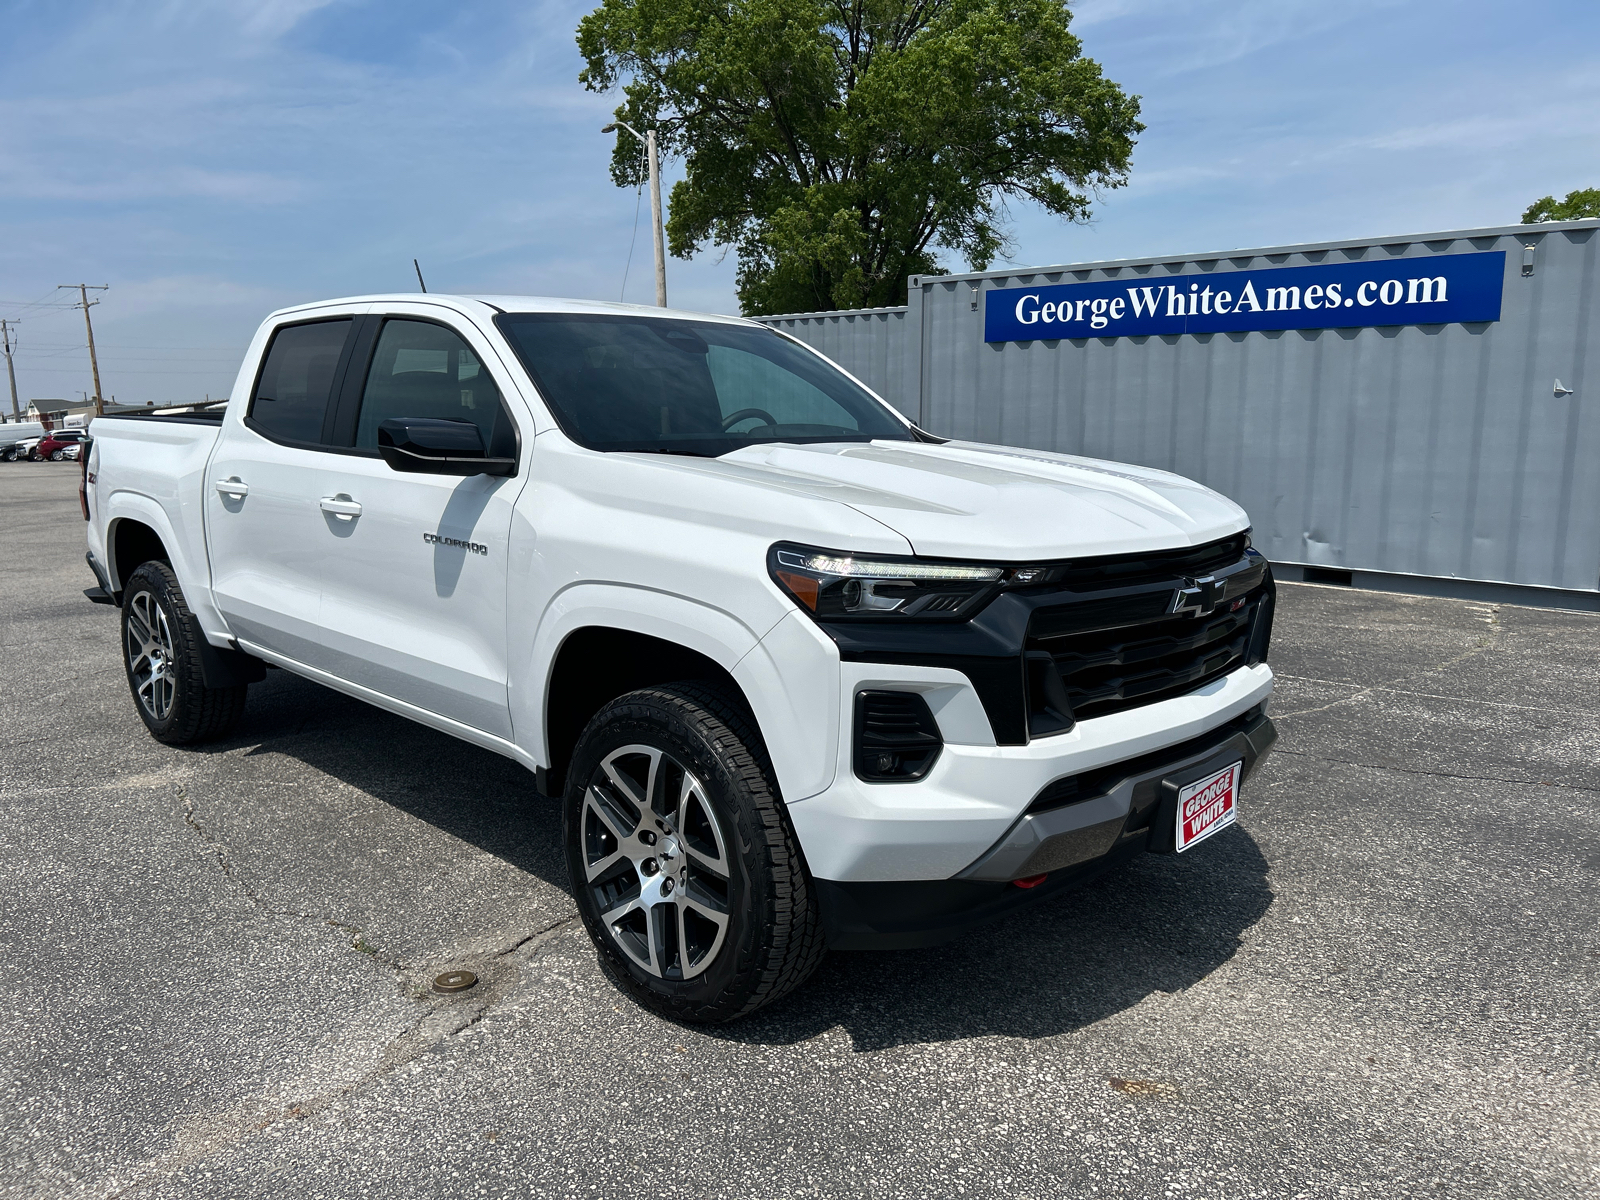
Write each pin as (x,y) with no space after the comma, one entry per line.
(1159,925)
(472,794)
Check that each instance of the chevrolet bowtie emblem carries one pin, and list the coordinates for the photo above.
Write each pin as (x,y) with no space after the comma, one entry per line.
(1198,598)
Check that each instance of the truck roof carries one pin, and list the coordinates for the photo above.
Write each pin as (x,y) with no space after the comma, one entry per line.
(519,304)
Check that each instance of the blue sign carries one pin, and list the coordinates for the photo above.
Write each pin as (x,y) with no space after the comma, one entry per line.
(1393,291)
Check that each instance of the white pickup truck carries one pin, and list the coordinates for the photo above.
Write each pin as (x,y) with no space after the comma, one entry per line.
(802,674)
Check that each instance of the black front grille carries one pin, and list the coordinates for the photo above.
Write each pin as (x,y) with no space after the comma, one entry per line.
(1112,669)
(1113,653)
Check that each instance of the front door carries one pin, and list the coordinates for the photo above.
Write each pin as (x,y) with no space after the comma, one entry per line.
(414,566)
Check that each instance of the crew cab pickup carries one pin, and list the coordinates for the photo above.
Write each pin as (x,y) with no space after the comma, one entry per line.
(800,673)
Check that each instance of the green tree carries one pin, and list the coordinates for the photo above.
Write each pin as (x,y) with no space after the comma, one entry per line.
(836,143)
(1585,202)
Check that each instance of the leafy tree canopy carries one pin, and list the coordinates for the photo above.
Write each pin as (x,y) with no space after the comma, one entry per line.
(836,143)
(1585,202)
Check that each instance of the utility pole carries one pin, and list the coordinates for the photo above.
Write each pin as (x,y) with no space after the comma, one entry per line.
(649,140)
(655,224)
(94,364)
(5,338)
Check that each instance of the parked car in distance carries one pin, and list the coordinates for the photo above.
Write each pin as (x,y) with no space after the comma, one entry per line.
(12,436)
(73,452)
(23,449)
(54,444)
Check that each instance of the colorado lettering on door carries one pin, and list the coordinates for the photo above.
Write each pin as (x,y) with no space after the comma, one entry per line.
(1424,290)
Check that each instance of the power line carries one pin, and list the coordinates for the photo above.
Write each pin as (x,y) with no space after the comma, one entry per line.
(238,350)
(59,347)
(124,371)
(42,302)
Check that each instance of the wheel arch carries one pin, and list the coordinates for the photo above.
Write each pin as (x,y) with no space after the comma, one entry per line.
(595,664)
(130,542)
(786,677)
(138,530)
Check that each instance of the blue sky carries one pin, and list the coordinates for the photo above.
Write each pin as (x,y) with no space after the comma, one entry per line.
(214,160)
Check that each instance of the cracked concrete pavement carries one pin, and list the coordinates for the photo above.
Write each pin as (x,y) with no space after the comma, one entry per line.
(215,962)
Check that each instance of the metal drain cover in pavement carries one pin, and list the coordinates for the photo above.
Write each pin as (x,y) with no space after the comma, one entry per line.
(454,981)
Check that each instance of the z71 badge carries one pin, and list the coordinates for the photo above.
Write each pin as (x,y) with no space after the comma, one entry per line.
(434,539)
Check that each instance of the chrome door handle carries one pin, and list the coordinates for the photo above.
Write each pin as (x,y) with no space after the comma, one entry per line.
(341,506)
(235,487)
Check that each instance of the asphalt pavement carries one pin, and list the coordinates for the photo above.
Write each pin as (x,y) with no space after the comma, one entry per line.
(214,962)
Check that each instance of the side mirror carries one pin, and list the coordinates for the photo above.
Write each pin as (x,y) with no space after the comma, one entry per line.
(429,446)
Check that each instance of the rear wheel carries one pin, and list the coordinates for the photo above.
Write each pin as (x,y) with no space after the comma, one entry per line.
(57,455)
(684,866)
(160,651)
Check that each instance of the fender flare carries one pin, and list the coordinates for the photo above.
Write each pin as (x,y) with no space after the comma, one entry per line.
(708,631)
(123,506)
(126,505)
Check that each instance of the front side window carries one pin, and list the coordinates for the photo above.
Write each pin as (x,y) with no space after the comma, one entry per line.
(689,387)
(420,369)
(296,384)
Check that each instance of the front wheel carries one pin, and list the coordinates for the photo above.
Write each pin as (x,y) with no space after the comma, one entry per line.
(160,651)
(683,863)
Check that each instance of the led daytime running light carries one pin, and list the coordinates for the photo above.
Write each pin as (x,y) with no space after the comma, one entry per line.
(856,568)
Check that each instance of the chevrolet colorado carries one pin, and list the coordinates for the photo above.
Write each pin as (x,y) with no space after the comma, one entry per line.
(802,674)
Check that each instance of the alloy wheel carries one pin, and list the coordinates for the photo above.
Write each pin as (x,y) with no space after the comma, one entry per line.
(656,862)
(150,655)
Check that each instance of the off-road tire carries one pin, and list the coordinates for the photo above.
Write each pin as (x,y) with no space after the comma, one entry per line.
(196,713)
(773,941)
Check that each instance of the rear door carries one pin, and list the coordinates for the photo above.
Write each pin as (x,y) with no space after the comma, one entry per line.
(266,535)
(414,595)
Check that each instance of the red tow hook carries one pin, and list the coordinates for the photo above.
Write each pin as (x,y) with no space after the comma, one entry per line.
(1031,881)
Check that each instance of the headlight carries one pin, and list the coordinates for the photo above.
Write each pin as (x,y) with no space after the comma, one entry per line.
(838,586)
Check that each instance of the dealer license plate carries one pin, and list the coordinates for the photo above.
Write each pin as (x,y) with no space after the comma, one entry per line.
(1208,805)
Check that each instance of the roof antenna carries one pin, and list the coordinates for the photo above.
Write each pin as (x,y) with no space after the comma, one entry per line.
(419,275)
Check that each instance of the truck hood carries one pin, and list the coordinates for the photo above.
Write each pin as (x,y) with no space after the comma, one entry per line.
(968,500)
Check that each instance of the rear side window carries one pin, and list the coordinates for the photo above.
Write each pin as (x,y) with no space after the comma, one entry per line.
(424,370)
(297,382)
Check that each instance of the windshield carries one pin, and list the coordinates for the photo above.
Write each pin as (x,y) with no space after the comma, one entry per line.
(689,387)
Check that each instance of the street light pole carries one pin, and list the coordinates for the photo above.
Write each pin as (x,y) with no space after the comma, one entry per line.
(649,140)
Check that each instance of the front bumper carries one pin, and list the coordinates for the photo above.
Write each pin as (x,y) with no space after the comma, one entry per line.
(1137,799)
(1121,810)
(939,826)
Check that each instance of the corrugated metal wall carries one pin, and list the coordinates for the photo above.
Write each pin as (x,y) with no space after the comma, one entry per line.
(1434,450)
(870,343)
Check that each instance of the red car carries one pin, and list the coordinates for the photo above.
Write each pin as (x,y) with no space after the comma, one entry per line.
(54,445)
